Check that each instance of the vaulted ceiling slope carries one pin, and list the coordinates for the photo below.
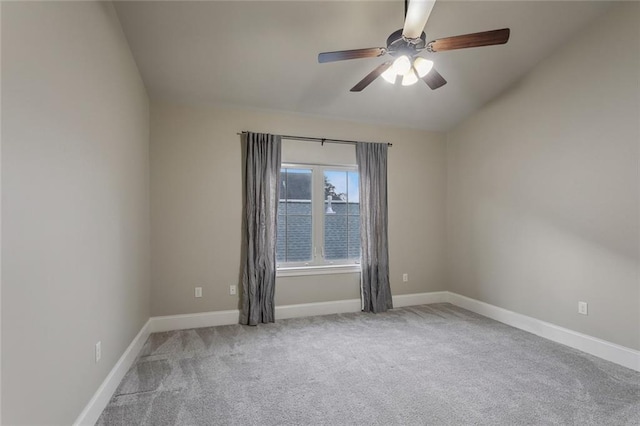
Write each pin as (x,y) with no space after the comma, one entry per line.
(263,54)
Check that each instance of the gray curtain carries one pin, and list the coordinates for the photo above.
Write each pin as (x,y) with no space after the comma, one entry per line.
(262,174)
(372,167)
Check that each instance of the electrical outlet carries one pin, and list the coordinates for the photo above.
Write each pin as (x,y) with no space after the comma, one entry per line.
(233,289)
(198,291)
(405,277)
(98,351)
(582,308)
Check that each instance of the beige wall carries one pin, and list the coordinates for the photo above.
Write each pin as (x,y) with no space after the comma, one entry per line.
(543,188)
(75,205)
(196,205)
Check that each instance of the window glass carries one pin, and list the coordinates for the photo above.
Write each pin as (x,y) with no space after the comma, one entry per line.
(341,215)
(318,216)
(295,228)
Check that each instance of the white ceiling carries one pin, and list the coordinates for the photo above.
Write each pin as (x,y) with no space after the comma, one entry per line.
(263,54)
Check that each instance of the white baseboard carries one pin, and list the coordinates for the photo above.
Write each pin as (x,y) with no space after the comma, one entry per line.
(215,318)
(618,354)
(100,399)
(354,305)
(414,299)
(319,308)
(186,321)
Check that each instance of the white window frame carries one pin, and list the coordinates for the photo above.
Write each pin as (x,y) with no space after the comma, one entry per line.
(318,264)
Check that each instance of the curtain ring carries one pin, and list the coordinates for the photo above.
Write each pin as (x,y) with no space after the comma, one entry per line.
(322,142)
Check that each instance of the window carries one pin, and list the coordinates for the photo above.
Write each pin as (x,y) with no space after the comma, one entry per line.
(318,217)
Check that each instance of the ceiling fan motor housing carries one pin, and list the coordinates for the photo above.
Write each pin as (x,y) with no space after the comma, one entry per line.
(397,45)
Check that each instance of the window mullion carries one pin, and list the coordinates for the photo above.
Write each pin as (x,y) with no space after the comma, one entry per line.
(318,210)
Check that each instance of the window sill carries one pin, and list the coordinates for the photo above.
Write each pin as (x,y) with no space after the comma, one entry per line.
(317,270)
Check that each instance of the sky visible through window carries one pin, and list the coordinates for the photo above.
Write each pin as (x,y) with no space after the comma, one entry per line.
(345,183)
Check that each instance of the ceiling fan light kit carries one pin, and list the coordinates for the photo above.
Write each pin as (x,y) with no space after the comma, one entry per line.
(409,78)
(390,75)
(407,43)
(422,66)
(402,65)
(410,73)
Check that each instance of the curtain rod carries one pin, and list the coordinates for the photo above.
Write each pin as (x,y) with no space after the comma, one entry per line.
(321,140)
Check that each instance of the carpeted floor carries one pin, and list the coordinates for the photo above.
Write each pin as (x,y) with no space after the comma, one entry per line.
(423,365)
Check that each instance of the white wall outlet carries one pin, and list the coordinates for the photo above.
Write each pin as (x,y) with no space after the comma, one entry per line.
(405,277)
(233,289)
(582,308)
(98,351)
(198,291)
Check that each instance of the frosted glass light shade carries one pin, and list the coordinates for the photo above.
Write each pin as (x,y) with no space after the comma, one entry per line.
(422,66)
(390,75)
(409,78)
(402,65)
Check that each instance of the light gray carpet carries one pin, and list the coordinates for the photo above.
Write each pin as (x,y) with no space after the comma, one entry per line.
(424,365)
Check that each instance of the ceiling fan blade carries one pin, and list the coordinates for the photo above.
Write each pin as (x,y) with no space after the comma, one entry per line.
(416,17)
(486,38)
(342,55)
(434,79)
(371,76)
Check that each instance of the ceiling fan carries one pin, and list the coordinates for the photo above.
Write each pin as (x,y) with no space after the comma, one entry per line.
(405,45)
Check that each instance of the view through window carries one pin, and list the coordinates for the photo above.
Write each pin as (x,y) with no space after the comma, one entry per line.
(318,216)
